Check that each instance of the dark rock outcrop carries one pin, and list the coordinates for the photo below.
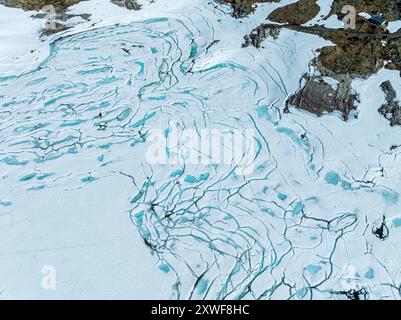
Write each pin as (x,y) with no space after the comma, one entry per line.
(317,96)
(391,110)
(129,4)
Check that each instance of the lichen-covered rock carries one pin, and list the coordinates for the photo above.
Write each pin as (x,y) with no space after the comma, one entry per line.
(296,13)
(38,4)
(391,9)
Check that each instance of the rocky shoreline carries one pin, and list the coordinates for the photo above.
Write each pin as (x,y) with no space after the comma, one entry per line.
(357,53)
(38,5)
(61,5)
(61,15)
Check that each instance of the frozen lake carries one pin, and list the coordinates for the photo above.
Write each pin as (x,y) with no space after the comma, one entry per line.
(78,191)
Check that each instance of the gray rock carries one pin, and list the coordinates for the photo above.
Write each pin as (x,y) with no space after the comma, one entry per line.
(391,110)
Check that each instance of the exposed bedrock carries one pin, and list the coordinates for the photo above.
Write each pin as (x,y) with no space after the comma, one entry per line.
(39,4)
(296,13)
(391,110)
(318,96)
(242,8)
(129,4)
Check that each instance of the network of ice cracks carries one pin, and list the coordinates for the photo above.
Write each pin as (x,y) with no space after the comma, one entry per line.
(299,226)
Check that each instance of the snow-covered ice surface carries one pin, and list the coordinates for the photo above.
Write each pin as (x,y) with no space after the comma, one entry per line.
(20,46)
(77,192)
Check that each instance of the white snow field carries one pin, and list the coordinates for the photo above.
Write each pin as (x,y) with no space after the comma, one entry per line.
(79,196)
